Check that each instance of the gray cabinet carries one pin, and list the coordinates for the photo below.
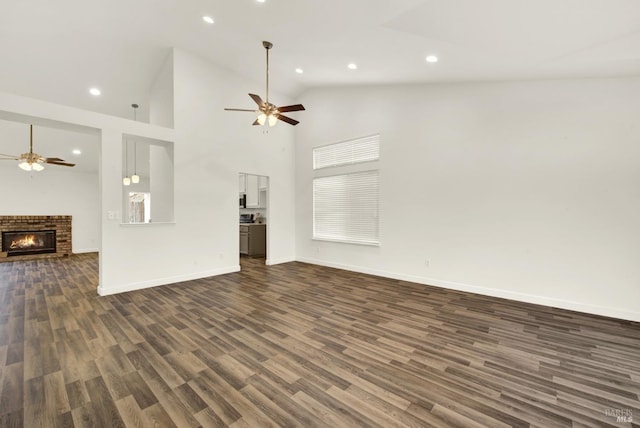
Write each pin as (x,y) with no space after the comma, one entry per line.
(244,240)
(253,239)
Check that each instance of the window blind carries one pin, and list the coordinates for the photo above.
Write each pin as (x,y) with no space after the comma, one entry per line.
(363,149)
(345,207)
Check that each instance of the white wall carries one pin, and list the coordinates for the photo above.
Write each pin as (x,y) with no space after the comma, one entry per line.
(213,146)
(53,192)
(526,190)
(161,183)
(119,244)
(161,95)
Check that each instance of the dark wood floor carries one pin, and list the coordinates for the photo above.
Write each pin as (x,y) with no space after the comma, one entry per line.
(300,345)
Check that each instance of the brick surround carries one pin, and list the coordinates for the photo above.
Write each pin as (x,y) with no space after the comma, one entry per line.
(60,223)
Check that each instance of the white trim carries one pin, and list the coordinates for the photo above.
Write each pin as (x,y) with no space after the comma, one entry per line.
(346,241)
(491,292)
(271,262)
(86,250)
(123,288)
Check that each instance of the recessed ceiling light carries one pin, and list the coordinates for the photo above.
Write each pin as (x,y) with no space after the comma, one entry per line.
(432,58)
(352,66)
(95,92)
(76,152)
(260,1)
(207,19)
(299,70)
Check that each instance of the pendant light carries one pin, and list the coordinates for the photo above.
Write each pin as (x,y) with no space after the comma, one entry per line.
(126,180)
(135,178)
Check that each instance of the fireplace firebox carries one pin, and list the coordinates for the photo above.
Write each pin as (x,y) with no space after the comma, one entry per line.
(20,243)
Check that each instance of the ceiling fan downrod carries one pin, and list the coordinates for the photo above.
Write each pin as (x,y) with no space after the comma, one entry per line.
(30,138)
(267,46)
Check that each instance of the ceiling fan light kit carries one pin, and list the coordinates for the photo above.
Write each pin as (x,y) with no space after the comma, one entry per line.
(32,161)
(267,112)
(31,166)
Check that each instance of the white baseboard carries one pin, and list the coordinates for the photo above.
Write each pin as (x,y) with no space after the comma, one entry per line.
(271,262)
(123,288)
(486,291)
(85,250)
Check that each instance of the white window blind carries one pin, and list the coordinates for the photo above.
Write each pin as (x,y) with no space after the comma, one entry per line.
(345,207)
(363,149)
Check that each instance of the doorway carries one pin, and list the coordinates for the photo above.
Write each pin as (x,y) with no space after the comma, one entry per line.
(253,216)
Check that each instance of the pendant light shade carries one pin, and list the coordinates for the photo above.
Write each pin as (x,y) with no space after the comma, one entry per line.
(135,178)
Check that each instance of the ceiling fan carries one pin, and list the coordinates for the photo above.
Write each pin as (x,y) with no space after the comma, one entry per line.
(32,161)
(267,112)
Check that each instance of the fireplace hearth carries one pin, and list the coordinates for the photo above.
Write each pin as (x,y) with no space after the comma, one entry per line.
(20,243)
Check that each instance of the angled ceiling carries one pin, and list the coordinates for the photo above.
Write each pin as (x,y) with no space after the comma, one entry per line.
(57,50)
(50,141)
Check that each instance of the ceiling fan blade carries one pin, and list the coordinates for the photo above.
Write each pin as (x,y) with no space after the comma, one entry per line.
(54,159)
(8,157)
(52,162)
(257,99)
(295,107)
(256,123)
(288,120)
(241,109)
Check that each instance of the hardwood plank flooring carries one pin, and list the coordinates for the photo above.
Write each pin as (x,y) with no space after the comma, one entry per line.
(301,345)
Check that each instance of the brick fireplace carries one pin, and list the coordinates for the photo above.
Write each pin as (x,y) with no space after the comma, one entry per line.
(34,229)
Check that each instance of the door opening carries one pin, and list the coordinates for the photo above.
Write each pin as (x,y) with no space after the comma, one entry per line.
(254,216)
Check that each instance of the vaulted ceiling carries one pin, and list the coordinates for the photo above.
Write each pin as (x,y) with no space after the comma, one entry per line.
(57,50)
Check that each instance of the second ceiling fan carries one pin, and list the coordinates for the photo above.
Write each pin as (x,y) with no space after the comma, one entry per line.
(268,112)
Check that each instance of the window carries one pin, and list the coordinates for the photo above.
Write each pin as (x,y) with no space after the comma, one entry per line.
(365,149)
(345,206)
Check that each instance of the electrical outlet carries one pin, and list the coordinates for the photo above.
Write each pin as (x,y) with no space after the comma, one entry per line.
(427,263)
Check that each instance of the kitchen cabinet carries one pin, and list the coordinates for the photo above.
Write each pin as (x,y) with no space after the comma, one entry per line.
(262,182)
(242,183)
(253,239)
(253,193)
